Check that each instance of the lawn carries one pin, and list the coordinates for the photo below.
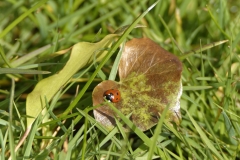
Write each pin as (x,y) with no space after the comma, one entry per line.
(54,53)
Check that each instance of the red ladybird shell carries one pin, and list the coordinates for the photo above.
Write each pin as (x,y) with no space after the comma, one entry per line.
(113,95)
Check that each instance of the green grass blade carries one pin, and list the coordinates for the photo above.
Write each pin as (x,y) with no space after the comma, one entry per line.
(10,125)
(21,71)
(19,19)
(205,139)
(157,132)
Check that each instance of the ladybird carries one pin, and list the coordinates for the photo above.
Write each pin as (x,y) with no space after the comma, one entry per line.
(112,95)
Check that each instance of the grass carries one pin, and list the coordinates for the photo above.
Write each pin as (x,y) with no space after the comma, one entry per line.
(31,34)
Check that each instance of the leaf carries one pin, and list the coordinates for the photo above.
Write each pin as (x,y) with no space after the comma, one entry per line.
(82,54)
(150,80)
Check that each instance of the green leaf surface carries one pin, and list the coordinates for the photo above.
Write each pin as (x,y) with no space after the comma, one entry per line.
(82,53)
